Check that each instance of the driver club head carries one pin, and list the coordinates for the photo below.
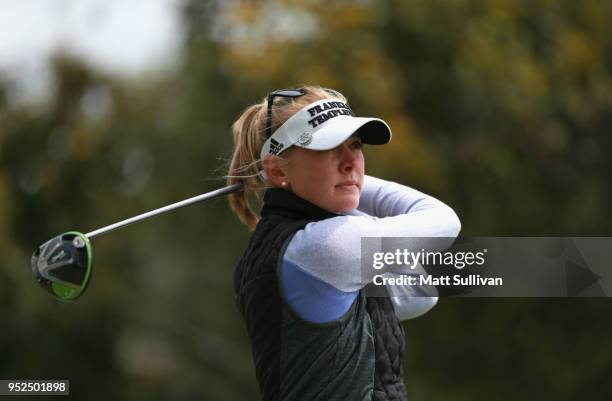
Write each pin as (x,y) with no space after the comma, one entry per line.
(63,265)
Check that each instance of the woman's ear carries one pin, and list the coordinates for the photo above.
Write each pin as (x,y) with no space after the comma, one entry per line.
(275,168)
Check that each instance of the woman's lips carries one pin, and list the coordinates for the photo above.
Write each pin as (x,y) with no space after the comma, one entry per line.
(347,186)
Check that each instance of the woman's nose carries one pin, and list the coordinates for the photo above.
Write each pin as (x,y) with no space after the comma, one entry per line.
(348,159)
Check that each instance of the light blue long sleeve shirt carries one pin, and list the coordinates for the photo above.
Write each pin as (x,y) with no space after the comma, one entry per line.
(321,273)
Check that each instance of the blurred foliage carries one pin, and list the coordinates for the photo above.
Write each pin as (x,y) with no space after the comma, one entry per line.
(499,108)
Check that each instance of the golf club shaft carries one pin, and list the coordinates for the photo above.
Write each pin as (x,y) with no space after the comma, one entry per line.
(209,195)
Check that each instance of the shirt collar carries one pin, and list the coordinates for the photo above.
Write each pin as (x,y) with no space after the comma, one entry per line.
(285,203)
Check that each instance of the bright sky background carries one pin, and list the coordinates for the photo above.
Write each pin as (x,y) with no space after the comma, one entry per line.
(124,37)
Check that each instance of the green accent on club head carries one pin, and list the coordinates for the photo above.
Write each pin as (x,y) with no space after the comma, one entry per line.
(67,292)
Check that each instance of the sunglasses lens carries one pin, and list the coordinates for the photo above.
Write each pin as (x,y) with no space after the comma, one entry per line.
(289,92)
(62,265)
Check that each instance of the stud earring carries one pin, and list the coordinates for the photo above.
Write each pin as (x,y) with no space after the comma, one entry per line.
(284,184)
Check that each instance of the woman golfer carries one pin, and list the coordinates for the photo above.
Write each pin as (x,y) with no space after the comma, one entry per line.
(299,285)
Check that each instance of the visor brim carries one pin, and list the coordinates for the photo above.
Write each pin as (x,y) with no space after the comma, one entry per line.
(373,131)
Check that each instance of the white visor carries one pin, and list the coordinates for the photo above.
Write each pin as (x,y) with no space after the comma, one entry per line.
(324,125)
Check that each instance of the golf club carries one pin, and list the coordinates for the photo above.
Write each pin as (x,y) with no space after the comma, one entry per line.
(63,264)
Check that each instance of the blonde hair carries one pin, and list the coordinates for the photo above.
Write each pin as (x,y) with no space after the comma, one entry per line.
(249,132)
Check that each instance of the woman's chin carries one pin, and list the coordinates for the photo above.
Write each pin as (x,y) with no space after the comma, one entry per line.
(346,203)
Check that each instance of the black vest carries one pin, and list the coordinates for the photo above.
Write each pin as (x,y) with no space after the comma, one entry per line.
(357,357)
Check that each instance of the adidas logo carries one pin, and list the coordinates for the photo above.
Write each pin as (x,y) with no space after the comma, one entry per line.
(275,146)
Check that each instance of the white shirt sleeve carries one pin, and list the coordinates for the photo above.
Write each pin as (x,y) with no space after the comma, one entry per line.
(411,301)
(381,198)
(330,249)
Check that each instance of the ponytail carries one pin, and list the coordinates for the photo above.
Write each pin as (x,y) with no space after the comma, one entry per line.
(244,165)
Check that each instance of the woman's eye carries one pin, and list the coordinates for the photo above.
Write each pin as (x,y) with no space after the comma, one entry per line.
(357,145)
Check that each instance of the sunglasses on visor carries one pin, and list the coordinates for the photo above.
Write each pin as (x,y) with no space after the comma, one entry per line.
(289,93)
(279,93)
